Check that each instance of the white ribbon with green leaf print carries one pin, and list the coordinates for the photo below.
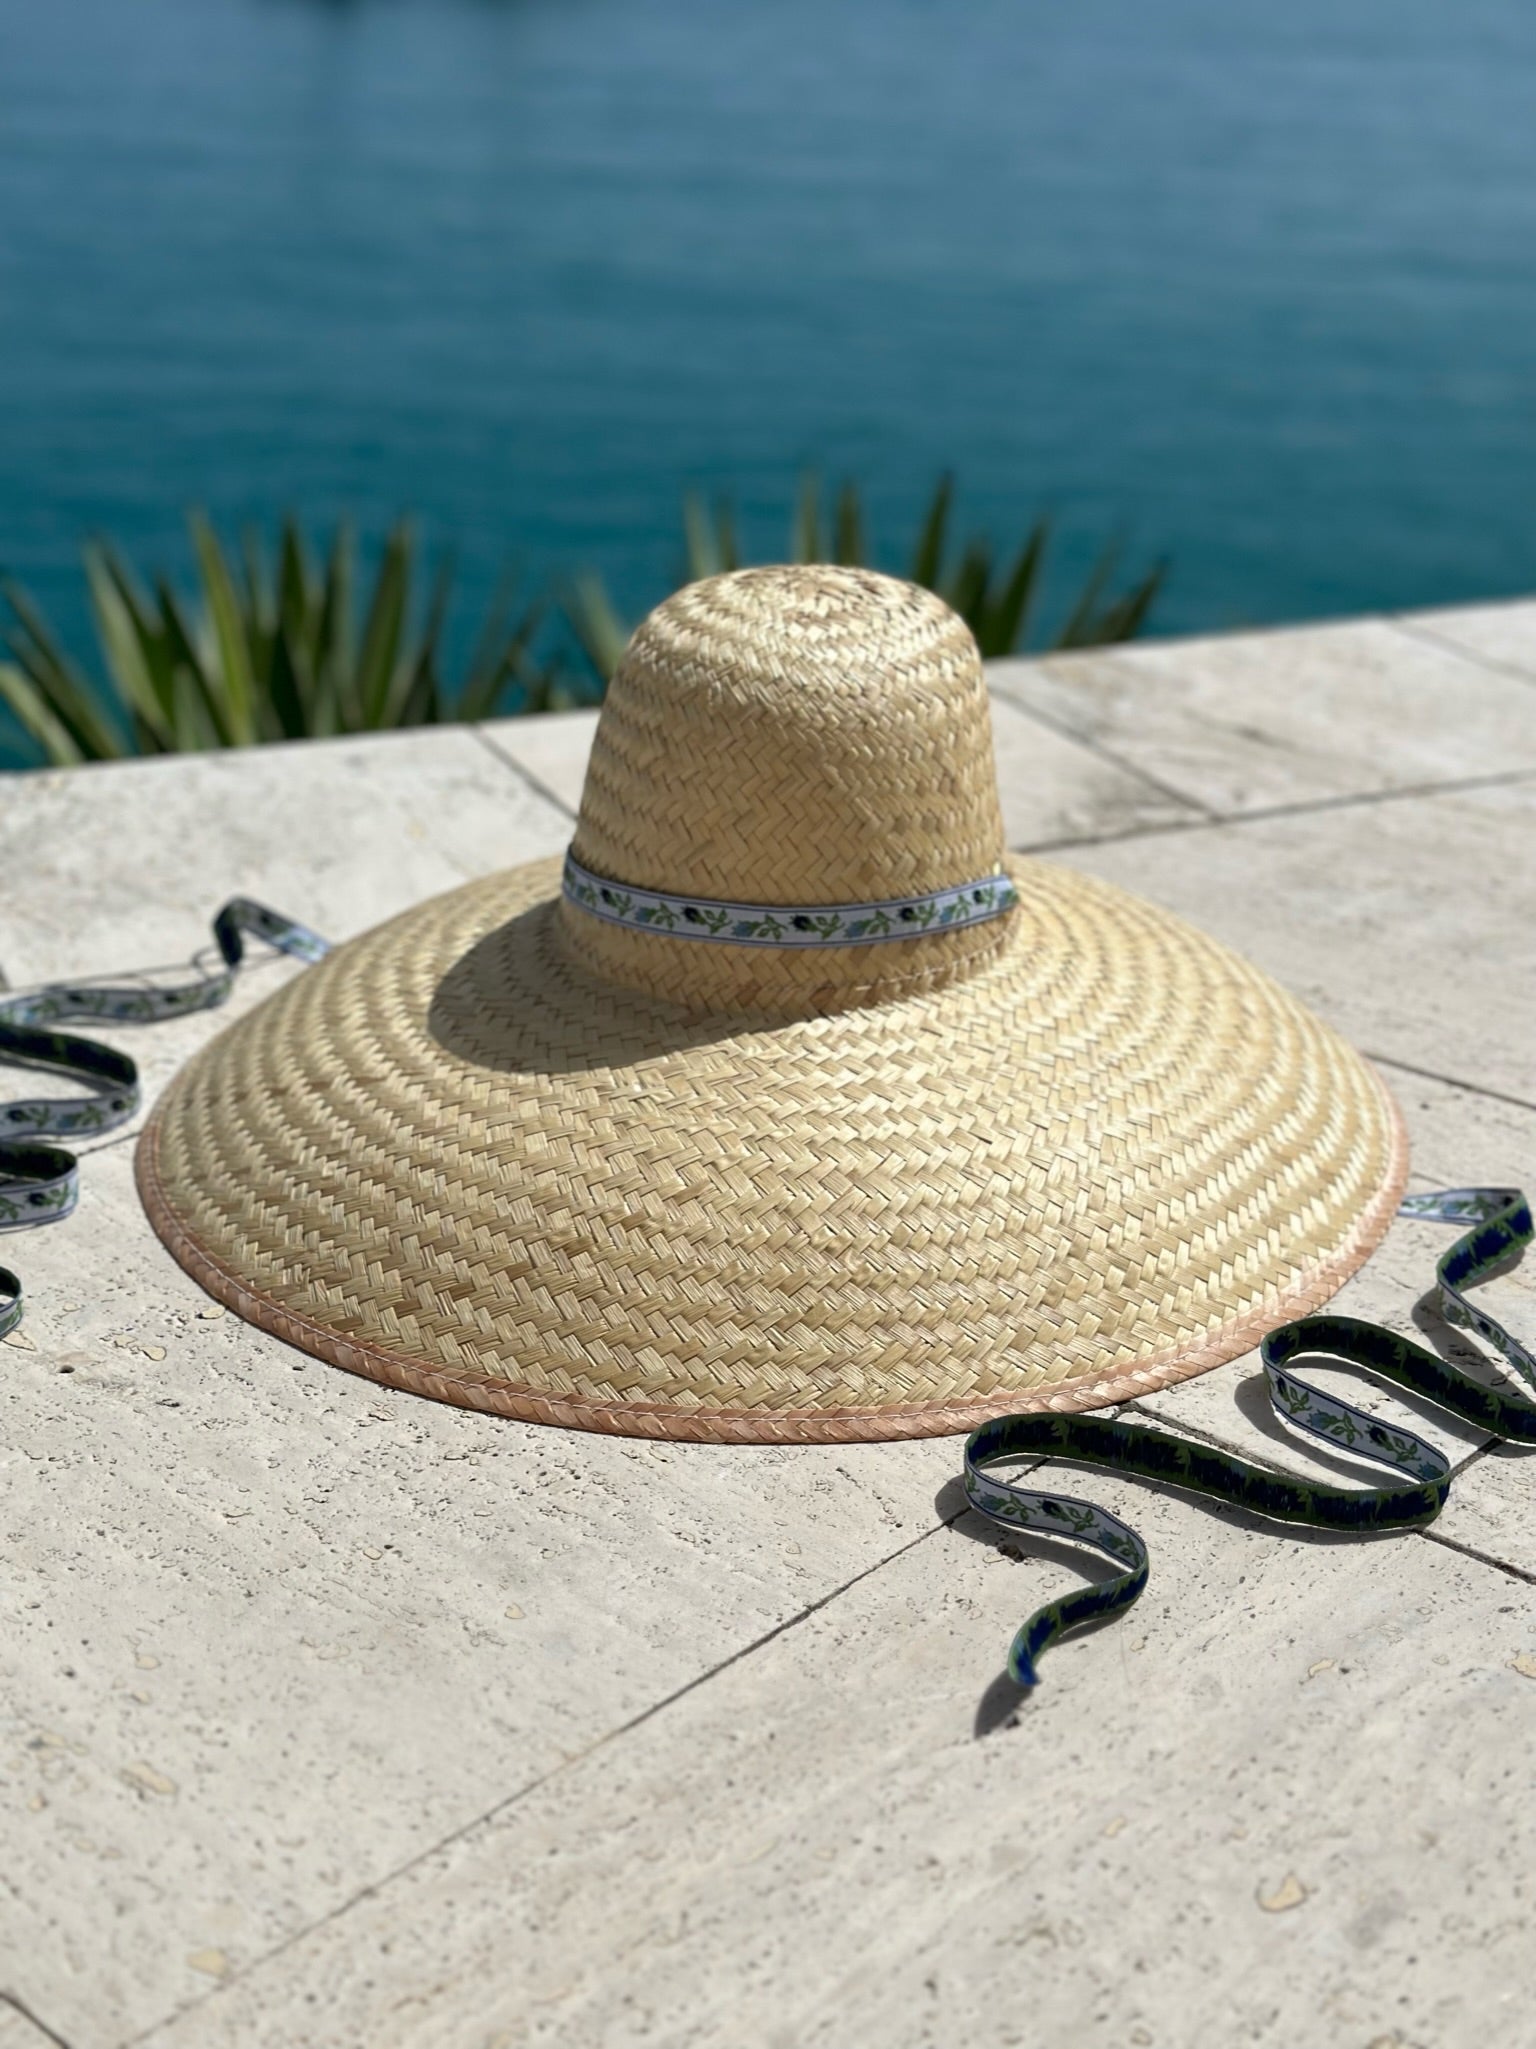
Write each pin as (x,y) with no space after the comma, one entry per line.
(697,917)
(39,1182)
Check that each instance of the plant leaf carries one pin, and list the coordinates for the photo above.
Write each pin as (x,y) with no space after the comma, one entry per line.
(291,692)
(416,695)
(482,682)
(154,716)
(848,538)
(709,538)
(132,650)
(297,606)
(194,715)
(967,592)
(258,601)
(701,549)
(199,715)
(384,630)
(1125,617)
(32,711)
(1007,615)
(600,633)
(928,555)
(334,657)
(258,608)
(506,659)
(1078,629)
(233,682)
(805,536)
(57,687)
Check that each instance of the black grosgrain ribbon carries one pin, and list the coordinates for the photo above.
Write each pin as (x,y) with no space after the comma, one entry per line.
(39,1183)
(1500,1220)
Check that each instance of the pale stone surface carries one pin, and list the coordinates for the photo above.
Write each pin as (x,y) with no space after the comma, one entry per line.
(1282,1803)
(125,863)
(1406,923)
(1490,1511)
(266,1654)
(1504,635)
(1256,720)
(552,752)
(715,1779)
(18,2031)
(208,1526)
(1053,788)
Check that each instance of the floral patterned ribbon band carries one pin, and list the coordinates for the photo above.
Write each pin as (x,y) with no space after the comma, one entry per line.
(40,1183)
(697,917)
(1501,1229)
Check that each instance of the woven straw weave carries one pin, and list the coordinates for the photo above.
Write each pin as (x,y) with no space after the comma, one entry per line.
(502,1154)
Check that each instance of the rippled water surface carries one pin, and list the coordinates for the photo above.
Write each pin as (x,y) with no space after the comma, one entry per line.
(1257,285)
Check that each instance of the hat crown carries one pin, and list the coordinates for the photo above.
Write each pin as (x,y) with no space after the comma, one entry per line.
(797,735)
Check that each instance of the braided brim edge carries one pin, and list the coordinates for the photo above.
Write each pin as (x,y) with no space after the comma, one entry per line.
(727,1426)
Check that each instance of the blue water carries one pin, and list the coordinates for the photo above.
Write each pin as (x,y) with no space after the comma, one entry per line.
(1255,285)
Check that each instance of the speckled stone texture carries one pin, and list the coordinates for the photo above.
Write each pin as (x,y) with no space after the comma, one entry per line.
(331,1717)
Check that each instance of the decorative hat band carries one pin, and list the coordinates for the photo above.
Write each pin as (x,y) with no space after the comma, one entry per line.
(696,917)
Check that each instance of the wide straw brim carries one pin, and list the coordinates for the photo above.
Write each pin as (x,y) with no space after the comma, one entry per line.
(449,1159)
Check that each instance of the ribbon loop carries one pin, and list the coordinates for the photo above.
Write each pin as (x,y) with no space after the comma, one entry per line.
(40,1184)
(1501,1220)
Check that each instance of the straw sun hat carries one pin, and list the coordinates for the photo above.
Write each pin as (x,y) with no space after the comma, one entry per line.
(790,1106)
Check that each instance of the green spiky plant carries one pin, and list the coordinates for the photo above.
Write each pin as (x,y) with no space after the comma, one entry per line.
(996,599)
(263,653)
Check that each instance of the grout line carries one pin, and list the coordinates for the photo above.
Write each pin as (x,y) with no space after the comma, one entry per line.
(127,1136)
(1177,1427)
(1094,746)
(1302,807)
(1407,623)
(524,774)
(18,2005)
(1471,1088)
(1480,1557)
(501,1807)
(1113,839)
(1204,816)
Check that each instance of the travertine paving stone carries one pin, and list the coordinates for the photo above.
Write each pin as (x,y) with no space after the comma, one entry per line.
(1492,1510)
(233,1527)
(1255,720)
(276,1755)
(257,1631)
(1500,634)
(1055,789)
(1052,787)
(1268,1809)
(18,2032)
(125,863)
(1406,923)
(552,751)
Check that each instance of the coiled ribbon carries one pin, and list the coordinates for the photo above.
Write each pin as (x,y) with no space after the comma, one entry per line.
(1501,1227)
(40,1183)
